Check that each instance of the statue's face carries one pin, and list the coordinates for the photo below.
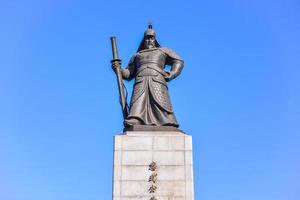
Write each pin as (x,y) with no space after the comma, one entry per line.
(150,41)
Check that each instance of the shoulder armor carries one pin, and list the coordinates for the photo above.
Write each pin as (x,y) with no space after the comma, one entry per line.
(132,58)
(171,53)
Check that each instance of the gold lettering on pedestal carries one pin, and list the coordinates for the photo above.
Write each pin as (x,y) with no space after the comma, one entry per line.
(152,166)
(152,179)
(152,189)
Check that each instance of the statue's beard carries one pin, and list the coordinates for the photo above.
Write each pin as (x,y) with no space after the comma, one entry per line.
(150,45)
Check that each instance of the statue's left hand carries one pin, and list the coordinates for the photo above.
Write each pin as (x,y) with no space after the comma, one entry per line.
(168,76)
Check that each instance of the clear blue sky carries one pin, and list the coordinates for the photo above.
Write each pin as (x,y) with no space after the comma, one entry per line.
(238,95)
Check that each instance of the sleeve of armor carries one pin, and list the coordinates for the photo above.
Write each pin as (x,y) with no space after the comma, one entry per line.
(128,73)
(171,55)
(174,61)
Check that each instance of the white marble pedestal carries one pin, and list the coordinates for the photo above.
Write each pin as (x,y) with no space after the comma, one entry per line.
(170,174)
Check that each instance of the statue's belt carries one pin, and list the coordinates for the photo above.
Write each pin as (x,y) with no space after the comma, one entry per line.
(151,65)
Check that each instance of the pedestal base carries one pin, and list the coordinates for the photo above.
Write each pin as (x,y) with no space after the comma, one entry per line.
(153,166)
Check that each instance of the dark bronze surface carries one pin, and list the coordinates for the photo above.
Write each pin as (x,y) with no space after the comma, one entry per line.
(152,128)
(150,104)
(117,70)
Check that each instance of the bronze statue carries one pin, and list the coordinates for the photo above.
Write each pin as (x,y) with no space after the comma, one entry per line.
(150,104)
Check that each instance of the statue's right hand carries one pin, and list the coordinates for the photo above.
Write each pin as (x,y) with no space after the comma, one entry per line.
(115,65)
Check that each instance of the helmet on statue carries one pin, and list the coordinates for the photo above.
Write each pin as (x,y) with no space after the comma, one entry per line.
(148,32)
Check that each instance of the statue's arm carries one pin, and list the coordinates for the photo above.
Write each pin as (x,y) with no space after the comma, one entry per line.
(175,62)
(128,73)
(176,68)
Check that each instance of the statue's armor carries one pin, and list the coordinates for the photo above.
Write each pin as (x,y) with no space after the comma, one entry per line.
(152,58)
(150,67)
(150,102)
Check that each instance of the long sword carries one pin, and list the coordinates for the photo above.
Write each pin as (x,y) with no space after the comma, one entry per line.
(119,76)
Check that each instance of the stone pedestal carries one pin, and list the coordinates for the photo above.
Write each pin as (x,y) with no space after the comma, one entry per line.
(153,166)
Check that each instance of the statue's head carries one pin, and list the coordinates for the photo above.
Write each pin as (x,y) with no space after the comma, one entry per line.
(149,41)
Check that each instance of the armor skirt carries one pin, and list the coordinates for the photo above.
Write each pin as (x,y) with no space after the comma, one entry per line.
(150,102)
